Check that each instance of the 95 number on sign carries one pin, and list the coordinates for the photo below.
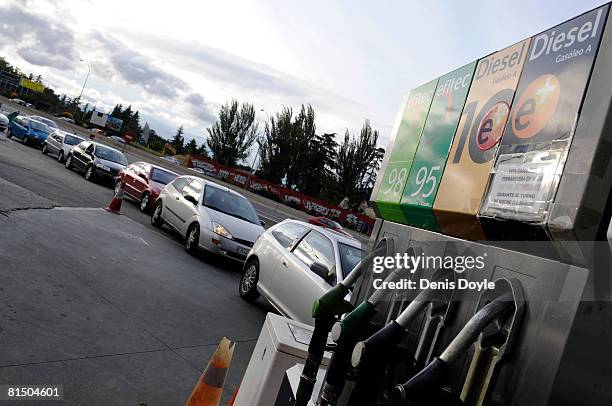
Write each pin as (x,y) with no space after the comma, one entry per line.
(31,392)
(425,180)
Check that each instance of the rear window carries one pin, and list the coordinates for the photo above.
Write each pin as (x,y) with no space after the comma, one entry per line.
(72,140)
(161,176)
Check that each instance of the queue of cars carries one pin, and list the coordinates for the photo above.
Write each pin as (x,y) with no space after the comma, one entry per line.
(291,264)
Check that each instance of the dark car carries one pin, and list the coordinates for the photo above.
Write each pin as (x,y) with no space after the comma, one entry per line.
(98,161)
(329,224)
(143,182)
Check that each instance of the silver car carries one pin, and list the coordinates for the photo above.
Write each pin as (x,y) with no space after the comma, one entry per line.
(60,143)
(4,122)
(293,263)
(210,216)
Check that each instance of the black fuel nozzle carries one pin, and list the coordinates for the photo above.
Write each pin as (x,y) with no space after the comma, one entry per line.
(430,380)
(355,326)
(326,310)
(371,356)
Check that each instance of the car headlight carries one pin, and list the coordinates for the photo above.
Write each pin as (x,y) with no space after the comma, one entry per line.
(103,167)
(220,230)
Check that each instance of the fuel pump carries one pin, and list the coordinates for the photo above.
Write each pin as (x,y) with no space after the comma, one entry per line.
(346,333)
(371,356)
(498,318)
(325,312)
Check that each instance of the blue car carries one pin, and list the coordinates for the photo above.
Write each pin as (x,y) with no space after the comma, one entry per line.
(30,131)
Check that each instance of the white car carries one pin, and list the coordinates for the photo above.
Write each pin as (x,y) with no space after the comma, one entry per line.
(60,143)
(294,263)
(210,216)
(4,122)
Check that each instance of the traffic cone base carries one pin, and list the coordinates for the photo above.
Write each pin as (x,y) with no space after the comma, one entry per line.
(209,388)
(115,204)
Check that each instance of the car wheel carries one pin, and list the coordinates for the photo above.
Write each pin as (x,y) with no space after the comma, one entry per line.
(90,173)
(144,202)
(192,239)
(60,156)
(44,149)
(248,282)
(68,163)
(156,217)
(26,141)
(8,133)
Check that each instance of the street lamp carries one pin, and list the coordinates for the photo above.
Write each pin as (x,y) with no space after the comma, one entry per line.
(82,89)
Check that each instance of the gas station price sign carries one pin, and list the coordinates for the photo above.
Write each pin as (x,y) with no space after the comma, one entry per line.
(432,152)
(539,132)
(398,160)
(475,142)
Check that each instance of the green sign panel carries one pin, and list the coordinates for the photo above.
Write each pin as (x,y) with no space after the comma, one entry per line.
(421,188)
(401,155)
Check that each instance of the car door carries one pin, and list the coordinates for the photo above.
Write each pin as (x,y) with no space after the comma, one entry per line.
(296,286)
(55,142)
(141,180)
(172,200)
(283,237)
(129,179)
(186,209)
(78,155)
(19,127)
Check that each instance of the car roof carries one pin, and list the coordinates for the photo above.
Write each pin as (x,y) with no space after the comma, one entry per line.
(98,144)
(331,234)
(155,167)
(208,182)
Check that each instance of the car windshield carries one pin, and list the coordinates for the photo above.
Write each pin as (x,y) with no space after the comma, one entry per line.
(110,154)
(161,176)
(36,125)
(349,257)
(229,203)
(72,140)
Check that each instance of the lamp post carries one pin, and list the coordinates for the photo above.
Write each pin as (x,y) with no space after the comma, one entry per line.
(82,89)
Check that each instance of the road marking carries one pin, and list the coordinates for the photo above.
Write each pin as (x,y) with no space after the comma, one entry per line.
(130,236)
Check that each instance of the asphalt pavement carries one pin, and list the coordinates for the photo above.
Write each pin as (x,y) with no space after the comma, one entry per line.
(105,305)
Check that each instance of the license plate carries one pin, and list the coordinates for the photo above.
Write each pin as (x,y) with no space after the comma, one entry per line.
(242,251)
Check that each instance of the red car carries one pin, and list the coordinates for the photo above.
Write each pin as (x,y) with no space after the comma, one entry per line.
(143,182)
(328,223)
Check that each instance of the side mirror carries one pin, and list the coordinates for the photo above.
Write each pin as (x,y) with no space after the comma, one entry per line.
(191,199)
(263,223)
(320,269)
(144,176)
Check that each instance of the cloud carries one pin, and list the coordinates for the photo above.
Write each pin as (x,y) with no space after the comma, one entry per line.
(38,40)
(199,108)
(138,69)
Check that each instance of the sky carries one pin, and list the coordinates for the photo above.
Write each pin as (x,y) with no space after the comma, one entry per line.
(178,61)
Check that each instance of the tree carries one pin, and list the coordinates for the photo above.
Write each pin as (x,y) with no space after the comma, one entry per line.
(178,142)
(192,147)
(232,136)
(202,150)
(355,162)
(275,147)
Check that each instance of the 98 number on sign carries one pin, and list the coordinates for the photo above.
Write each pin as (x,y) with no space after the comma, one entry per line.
(425,177)
(396,181)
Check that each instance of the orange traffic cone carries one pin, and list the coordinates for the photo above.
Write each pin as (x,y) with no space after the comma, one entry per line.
(209,388)
(115,204)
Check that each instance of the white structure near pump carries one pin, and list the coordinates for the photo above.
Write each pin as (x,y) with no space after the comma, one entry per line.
(282,344)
